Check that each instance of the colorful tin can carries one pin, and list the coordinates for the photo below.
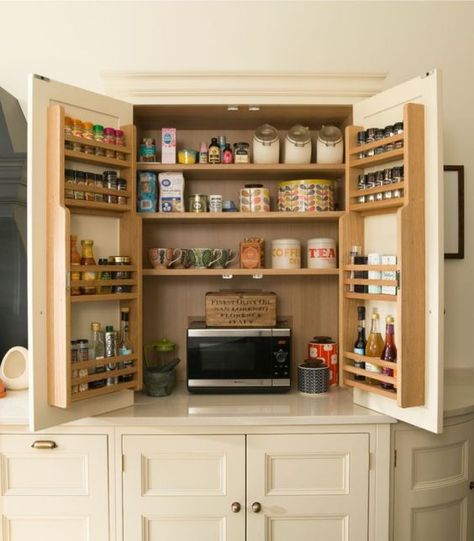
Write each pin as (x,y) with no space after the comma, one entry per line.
(254,198)
(306,195)
(197,203)
(146,200)
(325,348)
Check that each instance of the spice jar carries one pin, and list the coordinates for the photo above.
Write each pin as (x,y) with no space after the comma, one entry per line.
(266,145)
(75,260)
(87,132)
(110,181)
(104,275)
(69,182)
(121,186)
(98,131)
(79,179)
(77,127)
(120,142)
(109,138)
(90,181)
(67,126)
(120,274)
(329,146)
(297,147)
(82,346)
(99,183)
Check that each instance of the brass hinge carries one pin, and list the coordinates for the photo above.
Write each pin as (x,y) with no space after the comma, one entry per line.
(394,458)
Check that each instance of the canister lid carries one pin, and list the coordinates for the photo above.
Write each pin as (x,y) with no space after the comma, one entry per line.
(323,340)
(330,135)
(298,134)
(286,241)
(164,345)
(119,259)
(322,240)
(266,134)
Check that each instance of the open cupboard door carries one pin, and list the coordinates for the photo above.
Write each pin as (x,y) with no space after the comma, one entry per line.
(411,228)
(59,392)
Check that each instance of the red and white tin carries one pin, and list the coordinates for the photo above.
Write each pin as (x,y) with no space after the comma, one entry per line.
(322,254)
(325,348)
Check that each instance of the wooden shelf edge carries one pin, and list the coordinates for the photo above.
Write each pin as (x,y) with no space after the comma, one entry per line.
(378,189)
(101,298)
(377,205)
(92,363)
(370,375)
(95,205)
(371,360)
(370,297)
(392,268)
(240,216)
(376,389)
(103,268)
(98,144)
(375,144)
(91,393)
(96,160)
(242,167)
(240,272)
(384,157)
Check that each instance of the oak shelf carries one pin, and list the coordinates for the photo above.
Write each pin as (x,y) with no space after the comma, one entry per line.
(214,217)
(370,296)
(107,297)
(112,208)
(98,144)
(96,160)
(381,142)
(240,272)
(383,157)
(376,206)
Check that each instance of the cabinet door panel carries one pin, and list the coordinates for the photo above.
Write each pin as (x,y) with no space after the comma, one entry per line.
(41,316)
(309,486)
(378,111)
(183,487)
(431,484)
(54,493)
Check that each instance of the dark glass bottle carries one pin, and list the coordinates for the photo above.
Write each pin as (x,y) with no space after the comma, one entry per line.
(359,345)
(214,152)
(389,352)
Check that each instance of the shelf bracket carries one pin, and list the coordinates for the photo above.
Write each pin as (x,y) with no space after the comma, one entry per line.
(227,276)
(257,276)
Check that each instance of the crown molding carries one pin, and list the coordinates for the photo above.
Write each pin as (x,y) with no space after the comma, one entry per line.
(241,88)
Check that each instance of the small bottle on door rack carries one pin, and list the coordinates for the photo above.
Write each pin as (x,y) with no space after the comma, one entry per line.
(97,351)
(389,352)
(125,346)
(359,345)
(374,346)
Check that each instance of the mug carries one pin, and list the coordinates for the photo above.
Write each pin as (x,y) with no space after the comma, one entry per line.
(227,257)
(181,262)
(162,258)
(202,258)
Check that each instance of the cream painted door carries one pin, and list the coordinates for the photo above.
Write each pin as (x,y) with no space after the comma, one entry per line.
(53,494)
(308,487)
(433,501)
(378,111)
(177,488)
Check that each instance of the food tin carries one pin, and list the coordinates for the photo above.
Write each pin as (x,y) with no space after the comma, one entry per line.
(254,198)
(286,254)
(306,195)
(322,254)
(146,200)
(325,348)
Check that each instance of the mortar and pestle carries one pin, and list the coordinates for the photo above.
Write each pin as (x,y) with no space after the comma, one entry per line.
(159,374)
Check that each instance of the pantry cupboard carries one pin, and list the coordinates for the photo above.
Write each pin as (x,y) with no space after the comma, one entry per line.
(316,301)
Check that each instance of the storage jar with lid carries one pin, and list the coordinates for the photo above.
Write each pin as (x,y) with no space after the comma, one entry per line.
(329,147)
(286,254)
(266,145)
(297,147)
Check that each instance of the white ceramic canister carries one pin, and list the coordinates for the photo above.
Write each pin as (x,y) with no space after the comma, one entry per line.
(286,254)
(266,145)
(297,147)
(330,145)
(14,368)
(322,254)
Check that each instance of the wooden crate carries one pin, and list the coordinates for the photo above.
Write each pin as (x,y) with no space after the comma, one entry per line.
(254,308)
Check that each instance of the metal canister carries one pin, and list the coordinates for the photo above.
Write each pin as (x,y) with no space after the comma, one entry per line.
(110,180)
(197,203)
(254,198)
(325,349)
(121,186)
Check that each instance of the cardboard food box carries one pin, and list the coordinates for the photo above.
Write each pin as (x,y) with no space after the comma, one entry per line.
(230,308)
(252,253)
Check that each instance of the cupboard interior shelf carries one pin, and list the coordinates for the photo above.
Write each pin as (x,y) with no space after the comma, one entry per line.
(381,142)
(240,272)
(213,217)
(383,157)
(238,171)
(96,160)
(376,206)
(106,297)
(98,144)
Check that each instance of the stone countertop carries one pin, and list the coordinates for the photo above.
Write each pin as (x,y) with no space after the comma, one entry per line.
(458,391)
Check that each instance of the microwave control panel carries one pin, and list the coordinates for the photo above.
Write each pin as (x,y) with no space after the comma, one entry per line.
(281,358)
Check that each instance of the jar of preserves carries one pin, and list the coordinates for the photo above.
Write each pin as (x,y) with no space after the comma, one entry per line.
(75,260)
(87,258)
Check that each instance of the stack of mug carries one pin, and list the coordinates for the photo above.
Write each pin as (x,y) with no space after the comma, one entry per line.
(191,258)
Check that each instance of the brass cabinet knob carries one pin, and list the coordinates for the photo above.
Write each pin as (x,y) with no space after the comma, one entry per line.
(256,507)
(471,485)
(236,507)
(44,444)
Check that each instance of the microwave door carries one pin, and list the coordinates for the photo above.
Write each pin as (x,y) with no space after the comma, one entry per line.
(230,360)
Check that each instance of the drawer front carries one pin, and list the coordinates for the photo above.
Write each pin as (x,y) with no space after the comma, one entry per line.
(307,487)
(183,487)
(53,486)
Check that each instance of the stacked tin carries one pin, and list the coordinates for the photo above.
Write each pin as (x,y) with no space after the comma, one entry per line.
(306,195)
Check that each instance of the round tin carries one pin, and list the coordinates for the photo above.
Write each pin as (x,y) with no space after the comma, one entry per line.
(197,203)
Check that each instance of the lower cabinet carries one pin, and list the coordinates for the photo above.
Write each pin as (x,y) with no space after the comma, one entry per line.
(434,484)
(54,487)
(246,488)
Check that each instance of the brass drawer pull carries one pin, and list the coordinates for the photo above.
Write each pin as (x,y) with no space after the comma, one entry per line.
(44,444)
(236,507)
(471,485)
(256,507)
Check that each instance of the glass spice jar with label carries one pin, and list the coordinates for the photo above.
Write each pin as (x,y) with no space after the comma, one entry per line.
(109,138)
(87,258)
(120,142)
(121,273)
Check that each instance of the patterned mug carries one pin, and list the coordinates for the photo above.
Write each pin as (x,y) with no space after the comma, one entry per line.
(227,257)
(202,258)
(163,258)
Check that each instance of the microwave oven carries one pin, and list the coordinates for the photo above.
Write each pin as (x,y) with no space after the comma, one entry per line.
(238,360)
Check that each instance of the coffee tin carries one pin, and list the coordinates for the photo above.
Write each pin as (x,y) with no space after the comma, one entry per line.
(325,349)
(197,203)
(215,203)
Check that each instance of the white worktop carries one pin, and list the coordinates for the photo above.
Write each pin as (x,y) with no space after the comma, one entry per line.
(294,408)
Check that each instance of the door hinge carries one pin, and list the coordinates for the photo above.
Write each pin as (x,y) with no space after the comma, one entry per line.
(123,463)
(394,458)
(68,281)
(42,78)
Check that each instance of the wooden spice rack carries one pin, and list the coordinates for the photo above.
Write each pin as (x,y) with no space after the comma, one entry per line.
(60,301)
(408,372)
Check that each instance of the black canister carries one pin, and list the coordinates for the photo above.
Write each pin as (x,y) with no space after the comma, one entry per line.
(313,377)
